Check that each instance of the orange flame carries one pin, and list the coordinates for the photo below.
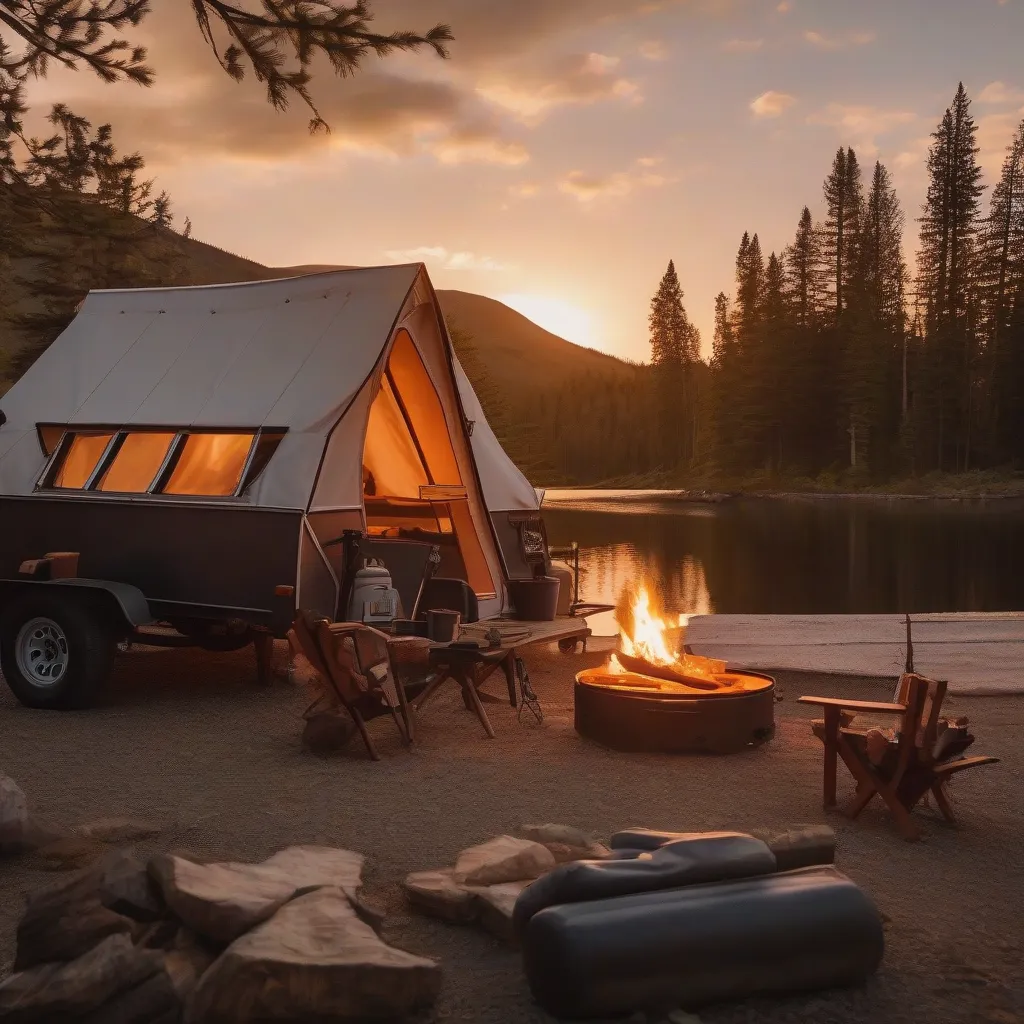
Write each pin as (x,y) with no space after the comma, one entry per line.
(654,638)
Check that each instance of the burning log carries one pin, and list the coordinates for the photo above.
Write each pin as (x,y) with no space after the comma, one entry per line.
(667,672)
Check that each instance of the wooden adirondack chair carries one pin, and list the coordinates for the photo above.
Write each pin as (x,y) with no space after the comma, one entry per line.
(354,661)
(916,762)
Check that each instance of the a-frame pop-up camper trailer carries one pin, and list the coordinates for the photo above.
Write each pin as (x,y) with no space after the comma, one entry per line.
(201,450)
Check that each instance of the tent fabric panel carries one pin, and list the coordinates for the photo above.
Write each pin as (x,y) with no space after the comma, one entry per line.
(419,397)
(129,381)
(504,486)
(262,369)
(183,390)
(340,483)
(288,478)
(60,381)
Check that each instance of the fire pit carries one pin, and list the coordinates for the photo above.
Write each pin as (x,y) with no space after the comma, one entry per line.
(650,699)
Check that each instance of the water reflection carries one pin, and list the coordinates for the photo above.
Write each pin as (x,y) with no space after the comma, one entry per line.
(804,557)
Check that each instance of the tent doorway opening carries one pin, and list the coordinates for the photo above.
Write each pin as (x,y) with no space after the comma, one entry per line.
(413,486)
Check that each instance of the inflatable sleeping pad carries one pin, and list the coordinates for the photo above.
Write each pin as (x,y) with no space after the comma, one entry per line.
(782,933)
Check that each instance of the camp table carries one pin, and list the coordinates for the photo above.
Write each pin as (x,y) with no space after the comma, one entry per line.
(472,667)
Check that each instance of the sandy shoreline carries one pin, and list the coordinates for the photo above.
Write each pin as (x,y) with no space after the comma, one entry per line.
(188,741)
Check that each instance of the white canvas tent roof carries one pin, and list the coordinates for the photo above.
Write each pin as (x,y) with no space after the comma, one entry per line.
(295,353)
(505,487)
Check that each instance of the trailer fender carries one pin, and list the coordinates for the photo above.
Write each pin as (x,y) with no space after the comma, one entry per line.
(130,600)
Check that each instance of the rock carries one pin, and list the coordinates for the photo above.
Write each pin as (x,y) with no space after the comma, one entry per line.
(13,815)
(71,853)
(313,960)
(223,901)
(437,894)
(68,917)
(366,913)
(158,935)
(681,1017)
(56,991)
(496,903)
(503,859)
(149,1001)
(566,854)
(564,834)
(118,830)
(307,866)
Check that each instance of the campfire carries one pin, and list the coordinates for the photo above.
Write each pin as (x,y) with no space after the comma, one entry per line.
(650,654)
(634,701)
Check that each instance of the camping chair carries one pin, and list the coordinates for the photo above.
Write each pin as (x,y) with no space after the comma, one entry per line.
(915,762)
(354,661)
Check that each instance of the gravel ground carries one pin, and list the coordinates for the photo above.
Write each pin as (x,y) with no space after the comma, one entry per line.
(186,740)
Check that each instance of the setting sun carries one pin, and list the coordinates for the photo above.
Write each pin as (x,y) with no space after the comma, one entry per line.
(554,315)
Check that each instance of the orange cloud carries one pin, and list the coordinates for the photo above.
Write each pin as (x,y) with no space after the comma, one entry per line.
(590,187)
(439,256)
(772,104)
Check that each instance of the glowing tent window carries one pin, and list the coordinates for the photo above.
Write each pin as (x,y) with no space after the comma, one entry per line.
(136,463)
(210,465)
(81,457)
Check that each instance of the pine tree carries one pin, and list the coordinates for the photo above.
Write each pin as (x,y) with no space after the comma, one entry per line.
(802,262)
(1003,280)
(279,44)
(675,346)
(843,202)
(947,263)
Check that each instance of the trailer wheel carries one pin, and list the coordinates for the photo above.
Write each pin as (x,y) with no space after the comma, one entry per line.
(56,651)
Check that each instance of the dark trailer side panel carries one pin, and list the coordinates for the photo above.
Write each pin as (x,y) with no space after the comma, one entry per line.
(189,559)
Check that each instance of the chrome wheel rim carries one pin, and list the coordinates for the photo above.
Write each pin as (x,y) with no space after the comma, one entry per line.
(41,651)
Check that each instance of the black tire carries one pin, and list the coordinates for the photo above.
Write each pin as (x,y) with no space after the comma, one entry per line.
(89,646)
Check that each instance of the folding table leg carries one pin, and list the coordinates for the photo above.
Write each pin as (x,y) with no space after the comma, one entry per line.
(263,643)
(509,665)
(469,692)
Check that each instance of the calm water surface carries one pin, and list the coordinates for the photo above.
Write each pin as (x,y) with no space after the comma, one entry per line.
(763,556)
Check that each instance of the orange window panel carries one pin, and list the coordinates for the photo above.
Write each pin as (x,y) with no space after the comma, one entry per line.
(210,465)
(80,460)
(136,463)
(418,395)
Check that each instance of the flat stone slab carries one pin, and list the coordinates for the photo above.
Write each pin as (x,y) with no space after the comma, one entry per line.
(60,991)
(438,894)
(503,859)
(313,960)
(567,835)
(223,901)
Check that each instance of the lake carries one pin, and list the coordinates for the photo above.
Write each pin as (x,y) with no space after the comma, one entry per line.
(793,556)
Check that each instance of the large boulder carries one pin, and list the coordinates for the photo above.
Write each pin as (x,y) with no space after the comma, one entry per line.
(313,960)
(13,816)
(224,901)
(61,991)
(65,919)
(503,859)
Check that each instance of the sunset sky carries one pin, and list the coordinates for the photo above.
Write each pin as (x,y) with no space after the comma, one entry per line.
(569,148)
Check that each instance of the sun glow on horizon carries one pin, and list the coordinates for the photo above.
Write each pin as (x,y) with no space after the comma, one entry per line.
(557,316)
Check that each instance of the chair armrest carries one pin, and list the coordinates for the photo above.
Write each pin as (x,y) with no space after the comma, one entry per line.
(350,628)
(854,705)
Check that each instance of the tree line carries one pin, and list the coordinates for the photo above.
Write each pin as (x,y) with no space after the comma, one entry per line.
(831,357)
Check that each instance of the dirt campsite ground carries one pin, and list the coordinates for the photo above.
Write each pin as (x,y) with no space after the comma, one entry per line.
(186,740)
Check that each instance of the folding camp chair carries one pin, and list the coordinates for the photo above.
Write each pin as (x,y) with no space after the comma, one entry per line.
(917,761)
(354,661)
